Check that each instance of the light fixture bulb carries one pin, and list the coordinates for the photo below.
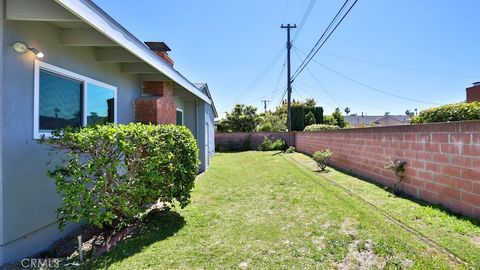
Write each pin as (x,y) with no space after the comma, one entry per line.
(38,53)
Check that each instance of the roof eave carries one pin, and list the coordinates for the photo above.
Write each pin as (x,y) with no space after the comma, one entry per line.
(102,22)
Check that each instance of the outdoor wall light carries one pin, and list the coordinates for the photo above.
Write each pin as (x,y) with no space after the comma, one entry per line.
(22,48)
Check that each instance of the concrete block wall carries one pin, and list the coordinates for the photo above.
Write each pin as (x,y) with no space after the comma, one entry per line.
(237,138)
(443,160)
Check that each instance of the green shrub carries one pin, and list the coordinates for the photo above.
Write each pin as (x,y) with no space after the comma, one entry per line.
(290,150)
(329,120)
(320,127)
(319,115)
(322,157)
(298,117)
(265,145)
(109,174)
(341,122)
(278,145)
(449,113)
(268,145)
(310,119)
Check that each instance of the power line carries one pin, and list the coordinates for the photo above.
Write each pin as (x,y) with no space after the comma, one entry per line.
(317,80)
(304,18)
(346,98)
(398,67)
(376,89)
(319,43)
(371,87)
(257,79)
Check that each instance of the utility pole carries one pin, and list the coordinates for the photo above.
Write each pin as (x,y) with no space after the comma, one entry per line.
(289,79)
(265,101)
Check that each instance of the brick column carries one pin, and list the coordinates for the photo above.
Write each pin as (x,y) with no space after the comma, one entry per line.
(473,93)
(157,105)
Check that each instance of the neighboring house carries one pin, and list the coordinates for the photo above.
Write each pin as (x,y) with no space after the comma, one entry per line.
(377,121)
(67,62)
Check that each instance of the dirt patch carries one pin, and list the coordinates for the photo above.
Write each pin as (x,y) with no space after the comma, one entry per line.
(361,256)
(476,241)
(348,227)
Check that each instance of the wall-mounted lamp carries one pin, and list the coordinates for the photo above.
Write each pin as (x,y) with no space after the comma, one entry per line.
(22,48)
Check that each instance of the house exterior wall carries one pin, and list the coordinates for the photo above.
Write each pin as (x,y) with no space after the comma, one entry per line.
(210,133)
(2,12)
(28,196)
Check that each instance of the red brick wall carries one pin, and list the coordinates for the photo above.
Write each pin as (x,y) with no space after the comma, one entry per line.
(473,93)
(443,160)
(159,108)
(223,139)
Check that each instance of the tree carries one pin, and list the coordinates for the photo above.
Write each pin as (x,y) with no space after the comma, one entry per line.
(339,118)
(309,119)
(387,113)
(409,113)
(310,102)
(242,118)
(347,110)
(272,122)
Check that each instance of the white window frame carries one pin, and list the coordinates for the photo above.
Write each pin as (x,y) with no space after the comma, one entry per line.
(39,65)
(180,110)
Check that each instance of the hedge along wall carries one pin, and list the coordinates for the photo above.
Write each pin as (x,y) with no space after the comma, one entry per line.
(227,139)
(443,160)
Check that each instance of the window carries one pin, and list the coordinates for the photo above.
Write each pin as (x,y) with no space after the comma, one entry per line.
(63,98)
(179,117)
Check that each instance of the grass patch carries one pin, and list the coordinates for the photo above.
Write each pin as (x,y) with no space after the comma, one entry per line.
(456,233)
(261,210)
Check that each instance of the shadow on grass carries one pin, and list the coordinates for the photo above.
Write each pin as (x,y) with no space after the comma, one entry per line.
(406,196)
(159,225)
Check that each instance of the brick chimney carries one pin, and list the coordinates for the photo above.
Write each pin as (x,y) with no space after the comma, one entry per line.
(160,49)
(473,92)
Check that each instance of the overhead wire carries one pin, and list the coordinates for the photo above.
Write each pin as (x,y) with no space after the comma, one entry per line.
(327,34)
(371,87)
(304,19)
(398,67)
(318,81)
(250,87)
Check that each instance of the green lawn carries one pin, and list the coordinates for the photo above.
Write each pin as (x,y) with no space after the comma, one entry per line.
(266,210)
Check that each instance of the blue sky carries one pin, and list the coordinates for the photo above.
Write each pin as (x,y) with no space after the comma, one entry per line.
(428,50)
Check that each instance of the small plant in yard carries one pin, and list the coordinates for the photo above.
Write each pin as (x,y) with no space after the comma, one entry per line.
(321,158)
(398,168)
(290,150)
(108,175)
(268,145)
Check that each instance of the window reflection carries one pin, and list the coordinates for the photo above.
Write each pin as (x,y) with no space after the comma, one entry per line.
(100,105)
(60,101)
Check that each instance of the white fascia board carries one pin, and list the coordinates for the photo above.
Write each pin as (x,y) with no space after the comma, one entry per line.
(102,22)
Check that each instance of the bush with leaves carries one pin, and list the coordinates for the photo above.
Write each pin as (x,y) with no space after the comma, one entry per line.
(322,157)
(109,174)
(398,168)
(310,119)
(242,118)
(320,127)
(290,150)
(329,120)
(449,113)
(271,122)
(269,145)
(341,122)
